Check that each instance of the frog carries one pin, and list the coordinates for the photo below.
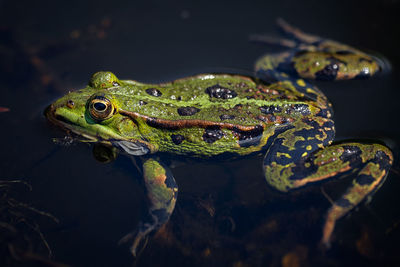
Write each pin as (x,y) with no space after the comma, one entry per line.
(276,112)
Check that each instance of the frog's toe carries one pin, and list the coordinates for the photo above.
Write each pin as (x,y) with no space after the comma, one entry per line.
(324,246)
(139,237)
(271,40)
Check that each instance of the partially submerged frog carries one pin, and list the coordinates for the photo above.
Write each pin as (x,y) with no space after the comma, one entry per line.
(225,116)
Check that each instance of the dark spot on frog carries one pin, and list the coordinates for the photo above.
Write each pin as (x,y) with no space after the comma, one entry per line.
(352,155)
(153,92)
(218,91)
(244,135)
(212,134)
(330,71)
(179,98)
(363,74)
(344,52)
(226,117)
(301,108)
(187,111)
(288,68)
(267,119)
(382,159)
(249,138)
(142,103)
(170,181)
(304,167)
(364,179)
(270,109)
(177,138)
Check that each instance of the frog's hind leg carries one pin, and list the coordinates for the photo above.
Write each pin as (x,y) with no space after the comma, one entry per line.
(162,193)
(370,162)
(278,67)
(313,57)
(281,67)
(302,155)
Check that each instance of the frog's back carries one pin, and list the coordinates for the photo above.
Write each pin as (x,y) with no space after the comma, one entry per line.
(208,115)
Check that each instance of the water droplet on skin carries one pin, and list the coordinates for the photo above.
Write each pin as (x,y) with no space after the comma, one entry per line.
(365,70)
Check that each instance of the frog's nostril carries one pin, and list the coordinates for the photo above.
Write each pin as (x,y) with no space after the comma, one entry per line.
(70,103)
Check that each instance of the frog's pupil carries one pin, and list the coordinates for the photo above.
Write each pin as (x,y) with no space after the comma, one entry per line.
(98,106)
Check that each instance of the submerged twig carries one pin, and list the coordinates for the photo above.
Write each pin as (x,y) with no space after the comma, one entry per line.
(14,215)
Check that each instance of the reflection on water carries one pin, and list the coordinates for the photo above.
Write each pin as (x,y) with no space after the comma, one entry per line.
(226,214)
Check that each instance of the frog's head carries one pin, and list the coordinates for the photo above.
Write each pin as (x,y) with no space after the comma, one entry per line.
(92,113)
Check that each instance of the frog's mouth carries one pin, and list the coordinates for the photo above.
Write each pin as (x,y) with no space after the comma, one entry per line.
(95,133)
(68,125)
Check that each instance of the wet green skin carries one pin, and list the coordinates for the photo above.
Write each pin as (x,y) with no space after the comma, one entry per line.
(211,116)
(241,115)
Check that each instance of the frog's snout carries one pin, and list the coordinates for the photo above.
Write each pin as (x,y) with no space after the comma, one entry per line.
(50,114)
(48,111)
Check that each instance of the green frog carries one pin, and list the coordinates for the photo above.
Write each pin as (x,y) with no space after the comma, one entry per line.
(221,116)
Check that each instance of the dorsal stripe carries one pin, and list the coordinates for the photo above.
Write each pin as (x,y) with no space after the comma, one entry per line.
(187,123)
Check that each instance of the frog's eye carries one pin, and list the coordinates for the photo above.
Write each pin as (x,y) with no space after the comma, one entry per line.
(100,108)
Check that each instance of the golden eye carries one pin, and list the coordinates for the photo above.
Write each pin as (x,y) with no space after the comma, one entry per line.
(100,108)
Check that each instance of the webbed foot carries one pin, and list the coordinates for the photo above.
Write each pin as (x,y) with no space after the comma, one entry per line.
(162,192)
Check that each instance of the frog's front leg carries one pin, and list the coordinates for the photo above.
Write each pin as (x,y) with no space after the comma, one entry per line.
(162,192)
(298,156)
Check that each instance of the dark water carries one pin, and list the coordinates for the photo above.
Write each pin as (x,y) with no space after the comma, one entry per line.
(226,214)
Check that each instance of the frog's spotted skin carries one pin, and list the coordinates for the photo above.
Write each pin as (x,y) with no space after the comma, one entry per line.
(222,116)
